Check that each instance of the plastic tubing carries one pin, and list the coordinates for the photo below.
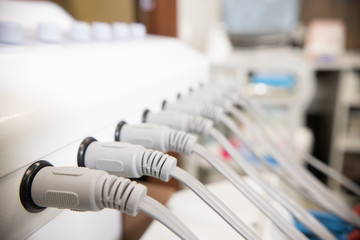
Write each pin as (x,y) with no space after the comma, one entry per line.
(317,191)
(286,227)
(299,212)
(199,189)
(157,211)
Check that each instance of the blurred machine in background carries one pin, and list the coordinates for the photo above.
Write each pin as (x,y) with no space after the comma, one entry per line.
(63,80)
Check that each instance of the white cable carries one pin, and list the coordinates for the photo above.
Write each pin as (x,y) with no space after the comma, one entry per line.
(299,212)
(256,131)
(245,189)
(331,172)
(179,121)
(157,211)
(129,160)
(231,125)
(318,191)
(84,189)
(201,126)
(198,125)
(307,180)
(185,122)
(205,110)
(316,163)
(302,177)
(208,197)
(165,139)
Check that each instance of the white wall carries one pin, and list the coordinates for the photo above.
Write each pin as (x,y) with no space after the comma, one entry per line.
(195,18)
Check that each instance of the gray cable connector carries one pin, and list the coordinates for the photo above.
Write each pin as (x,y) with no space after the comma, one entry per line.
(85,189)
(180,121)
(228,91)
(161,138)
(157,137)
(208,97)
(205,110)
(125,159)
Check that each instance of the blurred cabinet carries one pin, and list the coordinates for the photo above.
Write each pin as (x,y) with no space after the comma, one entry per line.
(159,16)
(101,11)
(345,10)
(345,142)
(334,116)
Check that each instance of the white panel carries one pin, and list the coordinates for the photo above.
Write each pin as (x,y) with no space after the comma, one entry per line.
(53,96)
(30,13)
(83,225)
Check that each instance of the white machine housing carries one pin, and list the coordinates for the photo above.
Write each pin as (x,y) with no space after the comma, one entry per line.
(52,96)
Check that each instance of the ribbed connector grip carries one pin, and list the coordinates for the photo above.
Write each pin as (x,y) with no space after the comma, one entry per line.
(209,97)
(224,103)
(179,121)
(128,160)
(122,194)
(179,142)
(209,111)
(158,137)
(199,125)
(84,189)
(157,164)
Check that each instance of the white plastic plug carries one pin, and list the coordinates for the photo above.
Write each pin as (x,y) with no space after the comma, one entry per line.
(84,189)
(138,31)
(11,33)
(228,91)
(209,97)
(121,30)
(157,137)
(80,32)
(125,159)
(101,31)
(180,121)
(195,108)
(49,32)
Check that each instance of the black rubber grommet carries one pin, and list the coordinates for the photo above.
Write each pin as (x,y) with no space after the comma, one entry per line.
(163,104)
(118,130)
(26,183)
(238,106)
(178,96)
(144,115)
(82,149)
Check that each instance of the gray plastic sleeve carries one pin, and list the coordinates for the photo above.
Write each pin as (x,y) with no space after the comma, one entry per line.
(181,121)
(129,160)
(158,137)
(118,158)
(84,189)
(196,108)
(209,97)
